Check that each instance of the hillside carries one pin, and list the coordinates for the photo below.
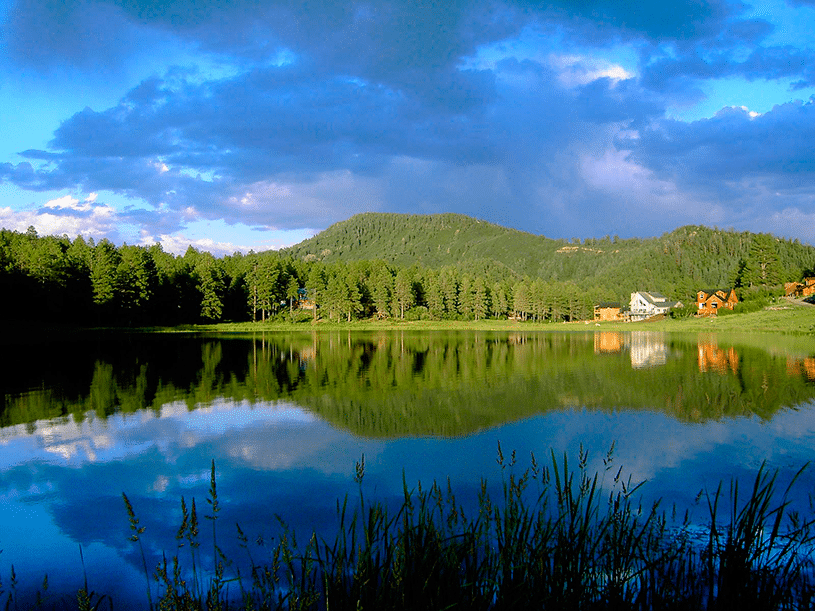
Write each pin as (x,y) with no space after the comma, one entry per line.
(433,267)
(432,240)
(677,263)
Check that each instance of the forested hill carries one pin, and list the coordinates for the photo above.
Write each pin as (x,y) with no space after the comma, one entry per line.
(432,240)
(384,265)
(677,263)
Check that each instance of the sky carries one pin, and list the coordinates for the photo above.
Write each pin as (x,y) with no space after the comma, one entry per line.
(251,124)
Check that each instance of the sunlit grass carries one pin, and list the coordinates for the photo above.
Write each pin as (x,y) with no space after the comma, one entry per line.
(784,317)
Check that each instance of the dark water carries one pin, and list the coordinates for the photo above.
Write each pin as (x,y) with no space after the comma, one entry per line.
(286,417)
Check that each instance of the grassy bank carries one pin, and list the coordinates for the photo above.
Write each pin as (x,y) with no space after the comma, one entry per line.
(558,537)
(786,317)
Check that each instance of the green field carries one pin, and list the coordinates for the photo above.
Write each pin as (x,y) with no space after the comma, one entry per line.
(786,317)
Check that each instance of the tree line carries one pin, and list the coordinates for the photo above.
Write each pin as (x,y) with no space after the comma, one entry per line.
(79,281)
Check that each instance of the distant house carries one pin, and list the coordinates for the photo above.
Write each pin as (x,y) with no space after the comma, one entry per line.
(805,288)
(303,301)
(645,304)
(608,310)
(710,301)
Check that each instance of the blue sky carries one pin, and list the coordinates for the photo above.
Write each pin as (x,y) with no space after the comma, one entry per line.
(238,124)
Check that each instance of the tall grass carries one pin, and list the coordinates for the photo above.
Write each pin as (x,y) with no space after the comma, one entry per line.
(557,536)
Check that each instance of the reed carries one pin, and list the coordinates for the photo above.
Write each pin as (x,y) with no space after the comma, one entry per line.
(557,536)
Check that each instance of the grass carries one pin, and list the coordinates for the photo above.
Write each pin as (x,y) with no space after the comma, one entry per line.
(784,317)
(558,537)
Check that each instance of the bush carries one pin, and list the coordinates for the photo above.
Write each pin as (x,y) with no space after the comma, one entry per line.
(418,313)
(685,311)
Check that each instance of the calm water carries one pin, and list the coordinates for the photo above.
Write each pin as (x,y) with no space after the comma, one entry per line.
(286,417)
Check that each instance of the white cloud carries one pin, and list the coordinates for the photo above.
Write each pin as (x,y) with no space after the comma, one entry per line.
(576,70)
(794,222)
(64,215)
(178,244)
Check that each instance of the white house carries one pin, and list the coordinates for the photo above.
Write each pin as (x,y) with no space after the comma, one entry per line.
(645,304)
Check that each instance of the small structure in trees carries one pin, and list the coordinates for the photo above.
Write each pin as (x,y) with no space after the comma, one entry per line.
(805,288)
(608,310)
(710,301)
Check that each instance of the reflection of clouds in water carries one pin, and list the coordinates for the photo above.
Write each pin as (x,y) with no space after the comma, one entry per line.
(122,435)
(679,459)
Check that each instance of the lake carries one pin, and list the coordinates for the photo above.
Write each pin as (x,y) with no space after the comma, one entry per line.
(287,418)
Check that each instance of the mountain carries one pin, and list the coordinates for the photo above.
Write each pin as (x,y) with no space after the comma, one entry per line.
(677,263)
(433,240)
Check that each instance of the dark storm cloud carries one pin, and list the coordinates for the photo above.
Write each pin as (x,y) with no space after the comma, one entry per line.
(324,108)
(94,37)
(771,63)
(680,21)
(776,149)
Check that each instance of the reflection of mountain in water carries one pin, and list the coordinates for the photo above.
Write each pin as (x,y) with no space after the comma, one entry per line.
(397,383)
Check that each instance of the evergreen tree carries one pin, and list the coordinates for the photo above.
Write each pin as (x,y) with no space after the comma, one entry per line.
(211,286)
(135,279)
(292,292)
(481,304)
(382,284)
(434,295)
(762,267)
(315,285)
(403,291)
(104,263)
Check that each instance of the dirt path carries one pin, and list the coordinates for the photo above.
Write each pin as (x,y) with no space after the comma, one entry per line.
(799,301)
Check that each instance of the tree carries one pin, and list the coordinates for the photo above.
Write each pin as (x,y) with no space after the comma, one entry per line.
(135,279)
(481,294)
(211,286)
(434,294)
(104,263)
(292,291)
(315,285)
(382,288)
(762,267)
(521,300)
(500,300)
(403,291)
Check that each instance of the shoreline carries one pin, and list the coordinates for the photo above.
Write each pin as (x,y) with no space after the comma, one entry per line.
(789,318)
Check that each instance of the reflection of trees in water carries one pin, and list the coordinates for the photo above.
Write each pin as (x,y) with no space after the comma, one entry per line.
(405,383)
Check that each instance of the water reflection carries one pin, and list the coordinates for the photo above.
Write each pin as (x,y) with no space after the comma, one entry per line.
(399,384)
(286,416)
(801,367)
(646,348)
(719,360)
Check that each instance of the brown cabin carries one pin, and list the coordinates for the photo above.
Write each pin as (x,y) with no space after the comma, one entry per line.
(805,288)
(608,310)
(710,301)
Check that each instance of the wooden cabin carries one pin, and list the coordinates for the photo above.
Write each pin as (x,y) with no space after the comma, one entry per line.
(710,301)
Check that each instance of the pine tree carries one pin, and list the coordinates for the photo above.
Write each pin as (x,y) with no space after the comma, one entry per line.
(762,267)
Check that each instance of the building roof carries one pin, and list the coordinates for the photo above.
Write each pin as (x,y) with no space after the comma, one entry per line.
(653,297)
(711,292)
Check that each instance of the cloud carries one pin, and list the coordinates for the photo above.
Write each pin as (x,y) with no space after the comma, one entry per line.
(65,215)
(775,148)
(288,116)
(91,37)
